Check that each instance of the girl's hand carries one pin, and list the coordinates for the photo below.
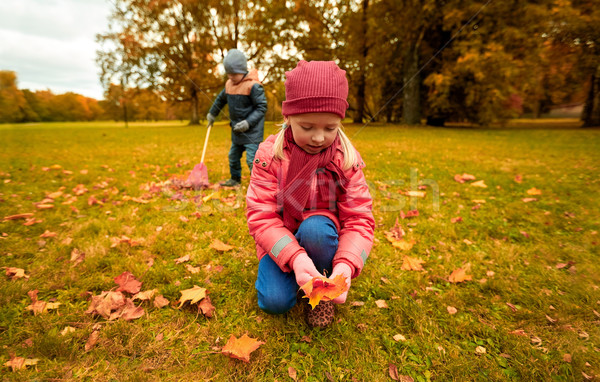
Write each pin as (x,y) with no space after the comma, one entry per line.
(304,269)
(346,271)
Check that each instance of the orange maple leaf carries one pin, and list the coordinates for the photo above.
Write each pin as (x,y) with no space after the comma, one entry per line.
(240,348)
(412,264)
(220,246)
(459,275)
(323,288)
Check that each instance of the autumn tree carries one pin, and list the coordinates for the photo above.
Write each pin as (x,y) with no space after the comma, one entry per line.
(174,47)
(575,26)
(13,104)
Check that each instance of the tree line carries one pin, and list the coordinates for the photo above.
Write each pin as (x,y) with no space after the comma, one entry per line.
(23,105)
(406,60)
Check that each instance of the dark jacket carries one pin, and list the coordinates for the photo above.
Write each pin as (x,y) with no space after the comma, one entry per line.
(246,101)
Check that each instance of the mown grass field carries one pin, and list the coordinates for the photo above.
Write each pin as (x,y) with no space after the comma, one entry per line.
(530,312)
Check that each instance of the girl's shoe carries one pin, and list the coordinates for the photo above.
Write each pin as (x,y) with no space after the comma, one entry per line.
(321,316)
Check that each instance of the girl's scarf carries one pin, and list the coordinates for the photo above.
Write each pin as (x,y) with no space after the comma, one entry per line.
(302,169)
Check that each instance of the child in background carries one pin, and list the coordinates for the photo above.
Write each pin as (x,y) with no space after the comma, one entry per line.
(247,107)
(308,203)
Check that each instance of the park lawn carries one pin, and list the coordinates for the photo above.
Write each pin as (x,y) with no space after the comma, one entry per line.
(530,311)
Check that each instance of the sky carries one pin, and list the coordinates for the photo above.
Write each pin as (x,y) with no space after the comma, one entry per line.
(50,44)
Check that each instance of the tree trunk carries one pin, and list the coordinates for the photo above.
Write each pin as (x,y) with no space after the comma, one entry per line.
(591,110)
(195,120)
(361,83)
(411,107)
(125,113)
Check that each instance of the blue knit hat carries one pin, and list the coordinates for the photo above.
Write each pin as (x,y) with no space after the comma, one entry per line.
(235,62)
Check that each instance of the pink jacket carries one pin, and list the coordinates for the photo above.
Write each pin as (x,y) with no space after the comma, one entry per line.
(352,214)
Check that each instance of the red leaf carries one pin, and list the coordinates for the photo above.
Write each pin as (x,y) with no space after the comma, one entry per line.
(128,283)
(206,307)
(323,288)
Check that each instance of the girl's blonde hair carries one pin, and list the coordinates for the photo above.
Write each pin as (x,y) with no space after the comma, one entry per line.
(347,148)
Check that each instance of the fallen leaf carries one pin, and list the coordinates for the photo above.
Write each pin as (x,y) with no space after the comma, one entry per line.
(18,216)
(412,264)
(32,221)
(79,190)
(534,191)
(479,183)
(293,373)
(184,219)
(393,371)
(77,256)
(322,288)
(130,311)
(160,301)
(47,234)
(115,241)
(511,306)
(92,340)
(145,295)
(128,283)
(15,273)
(218,245)
(206,307)
(567,357)
(550,319)
(18,363)
(459,275)
(409,214)
(480,350)
(67,330)
(463,178)
(105,303)
(192,269)
(457,219)
(395,233)
(44,206)
(403,244)
(527,200)
(451,310)
(399,337)
(518,178)
(418,194)
(381,304)
(357,303)
(182,259)
(193,295)
(241,348)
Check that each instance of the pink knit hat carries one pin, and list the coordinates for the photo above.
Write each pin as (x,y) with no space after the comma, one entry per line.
(315,87)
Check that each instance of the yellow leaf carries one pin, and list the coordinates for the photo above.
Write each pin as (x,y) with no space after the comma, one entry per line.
(403,244)
(459,275)
(193,295)
(479,183)
(220,246)
(412,264)
(534,191)
(208,197)
(18,363)
(418,194)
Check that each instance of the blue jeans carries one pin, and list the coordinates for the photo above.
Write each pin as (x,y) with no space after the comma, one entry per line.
(277,290)
(235,156)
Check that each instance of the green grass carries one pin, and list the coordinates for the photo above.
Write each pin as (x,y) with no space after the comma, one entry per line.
(507,266)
